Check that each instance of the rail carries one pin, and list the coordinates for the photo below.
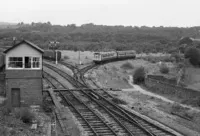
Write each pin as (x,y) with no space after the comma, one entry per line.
(147,126)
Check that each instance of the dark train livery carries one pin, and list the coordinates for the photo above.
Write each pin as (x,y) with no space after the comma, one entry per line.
(51,55)
(100,57)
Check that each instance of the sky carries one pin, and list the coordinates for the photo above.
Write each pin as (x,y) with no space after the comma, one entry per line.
(181,13)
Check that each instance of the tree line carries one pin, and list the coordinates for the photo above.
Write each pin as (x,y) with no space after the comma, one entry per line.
(99,37)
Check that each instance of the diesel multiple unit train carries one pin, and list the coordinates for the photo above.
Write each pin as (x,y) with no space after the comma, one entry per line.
(101,57)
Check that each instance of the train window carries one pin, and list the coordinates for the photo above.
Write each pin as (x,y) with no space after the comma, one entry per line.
(15,62)
(96,56)
(36,62)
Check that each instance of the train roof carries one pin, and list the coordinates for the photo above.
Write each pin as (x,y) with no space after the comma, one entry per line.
(127,51)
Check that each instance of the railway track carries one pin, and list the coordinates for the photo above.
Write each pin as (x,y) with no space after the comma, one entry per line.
(72,67)
(126,118)
(156,130)
(92,121)
(72,80)
(79,73)
(107,101)
(84,70)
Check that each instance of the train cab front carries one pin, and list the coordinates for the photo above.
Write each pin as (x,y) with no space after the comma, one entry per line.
(97,57)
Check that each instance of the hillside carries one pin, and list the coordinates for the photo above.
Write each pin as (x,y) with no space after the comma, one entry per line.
(99,37)
(4,25)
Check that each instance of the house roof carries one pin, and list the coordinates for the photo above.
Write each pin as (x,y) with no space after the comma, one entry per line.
(28,43)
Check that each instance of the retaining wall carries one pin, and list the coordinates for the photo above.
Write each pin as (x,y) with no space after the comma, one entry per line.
(161,87)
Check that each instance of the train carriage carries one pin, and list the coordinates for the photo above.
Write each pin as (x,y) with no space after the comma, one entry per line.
(126,54)
(51,55)
(121,54)
(131,54)
(100,57)
(97,57)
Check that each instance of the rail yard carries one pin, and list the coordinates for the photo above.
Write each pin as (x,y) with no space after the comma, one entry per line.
(89,98)
(94,108)
(99,68)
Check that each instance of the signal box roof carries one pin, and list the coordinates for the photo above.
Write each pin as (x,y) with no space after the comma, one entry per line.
(28,43)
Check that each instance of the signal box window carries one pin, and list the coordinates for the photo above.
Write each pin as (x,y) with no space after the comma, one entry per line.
(27,62)
(36,62)
(15,62)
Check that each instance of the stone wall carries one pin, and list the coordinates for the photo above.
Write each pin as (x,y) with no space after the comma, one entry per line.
(163,79)
(161,87)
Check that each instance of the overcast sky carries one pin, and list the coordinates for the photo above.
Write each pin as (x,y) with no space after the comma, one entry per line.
(106,12)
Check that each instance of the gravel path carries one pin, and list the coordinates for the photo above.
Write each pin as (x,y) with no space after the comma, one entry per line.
(138,88)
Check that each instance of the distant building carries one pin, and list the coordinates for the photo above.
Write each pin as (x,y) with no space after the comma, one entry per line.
(23,74)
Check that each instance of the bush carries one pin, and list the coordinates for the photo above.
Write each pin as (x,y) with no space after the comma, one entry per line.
(139,75)
(193,54)
(26,115)
(17,113)
(5,111)
(127,65)
(177,57)
(168,59)
(164,69)
(47,106)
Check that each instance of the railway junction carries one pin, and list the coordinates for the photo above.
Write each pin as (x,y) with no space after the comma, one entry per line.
(79,109)
(82,101)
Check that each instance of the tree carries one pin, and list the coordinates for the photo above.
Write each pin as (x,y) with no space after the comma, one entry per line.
(32,24)
(193,54)
(139,75)
(49,23)
(164,69)
(186,40)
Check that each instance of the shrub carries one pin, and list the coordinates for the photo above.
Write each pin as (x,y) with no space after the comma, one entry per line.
(139,75)
(5,111)
(26,115)
(164,69)
(127,65)
(177,57)
(17,113)
(193,54)
(47,106)
(168,59)
(180,65)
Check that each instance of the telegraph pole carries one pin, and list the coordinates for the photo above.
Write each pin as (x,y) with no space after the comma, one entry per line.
(53,44)
(56,57)
(79,57)
(14,40)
